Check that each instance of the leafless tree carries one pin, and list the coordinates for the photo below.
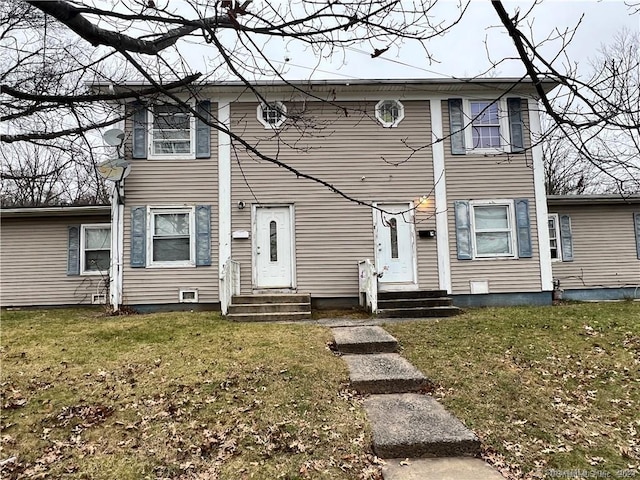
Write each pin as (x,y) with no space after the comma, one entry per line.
(602,158)
(52,49)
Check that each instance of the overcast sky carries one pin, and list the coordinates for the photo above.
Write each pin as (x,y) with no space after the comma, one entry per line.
(463,51)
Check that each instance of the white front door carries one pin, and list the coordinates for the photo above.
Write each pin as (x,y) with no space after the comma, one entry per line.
(395,245)
(273,247)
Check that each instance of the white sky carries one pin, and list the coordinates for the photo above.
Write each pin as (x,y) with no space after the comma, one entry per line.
(463,51)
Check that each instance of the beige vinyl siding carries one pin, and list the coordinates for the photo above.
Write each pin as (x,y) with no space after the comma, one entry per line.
(174,183)
(356,155)
(479,177)
(604,247)
(33,262)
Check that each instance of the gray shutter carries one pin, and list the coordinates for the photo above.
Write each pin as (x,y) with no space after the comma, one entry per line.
(566,238)
(73,250)
(636,221)
(138,237)
(514,106)
(139,131)
(203,235)
(524,228)
(463,230)
(456,126)
(203,131)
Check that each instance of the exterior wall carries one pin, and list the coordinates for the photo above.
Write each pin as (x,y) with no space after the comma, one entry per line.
(604,247)
(171,183)
(479,177)
(331,233)
(33,261)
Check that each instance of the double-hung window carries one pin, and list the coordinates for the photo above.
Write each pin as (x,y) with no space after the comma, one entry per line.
(172,132)
(555,244)
(485,124)
(493,229)
(95,249)
(171,237)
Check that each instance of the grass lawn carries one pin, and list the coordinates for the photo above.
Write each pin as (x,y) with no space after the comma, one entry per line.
(192,396)
(551,388)
(179,395)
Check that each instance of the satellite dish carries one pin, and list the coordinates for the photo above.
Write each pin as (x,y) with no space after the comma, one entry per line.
(115,169)
(113,137)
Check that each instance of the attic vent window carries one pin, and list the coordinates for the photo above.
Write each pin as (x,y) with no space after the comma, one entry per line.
(272,115)
(389,112)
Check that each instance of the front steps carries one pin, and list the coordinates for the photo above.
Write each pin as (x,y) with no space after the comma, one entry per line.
(405,422)
(267,308)
(416,304)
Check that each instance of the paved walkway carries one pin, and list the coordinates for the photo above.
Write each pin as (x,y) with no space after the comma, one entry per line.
(414,433)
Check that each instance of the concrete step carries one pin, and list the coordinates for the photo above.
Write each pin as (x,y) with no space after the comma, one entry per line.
(412,294)
(268,307)
(416,302)
(383,373)
(413,425)
(269,317)
(451,468)
(419,312)
(275,298)
(366,339)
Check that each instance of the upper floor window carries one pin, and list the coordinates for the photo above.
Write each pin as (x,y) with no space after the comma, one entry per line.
(272,115)
(95,249)
(172,132)
(485,124)
(389,112)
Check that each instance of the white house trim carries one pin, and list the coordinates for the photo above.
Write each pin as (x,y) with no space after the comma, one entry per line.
(440,191)
(224,184)
(546,274)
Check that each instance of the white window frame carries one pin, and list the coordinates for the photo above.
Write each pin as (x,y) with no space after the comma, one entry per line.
(83,265)
(556,218)
(272,126)
(503,118)
(511,218)
(395,122)
(152,211)
(171,156)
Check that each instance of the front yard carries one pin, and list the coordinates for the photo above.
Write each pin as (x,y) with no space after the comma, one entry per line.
(192,396)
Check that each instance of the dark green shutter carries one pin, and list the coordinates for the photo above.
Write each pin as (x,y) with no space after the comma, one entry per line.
(514,106)
(566,238)
(73,250)
(203,131)
(456,126)
(463,229)
(203,235)
(524,228)
(138,237)
(140,146)
(636,221)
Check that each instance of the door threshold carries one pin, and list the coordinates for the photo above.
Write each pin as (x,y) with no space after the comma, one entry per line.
(397,287)
(267,291)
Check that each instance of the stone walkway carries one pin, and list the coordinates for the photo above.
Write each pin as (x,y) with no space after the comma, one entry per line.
(415,435)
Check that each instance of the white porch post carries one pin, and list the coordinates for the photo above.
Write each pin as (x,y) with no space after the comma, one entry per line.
(440,191)
(117,246)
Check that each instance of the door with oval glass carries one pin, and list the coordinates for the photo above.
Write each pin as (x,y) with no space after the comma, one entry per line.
(395,246)
(273,247)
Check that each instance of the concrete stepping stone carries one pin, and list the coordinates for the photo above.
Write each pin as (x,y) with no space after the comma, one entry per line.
(383,373)
(413,425)
(452,468)
(367,339)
